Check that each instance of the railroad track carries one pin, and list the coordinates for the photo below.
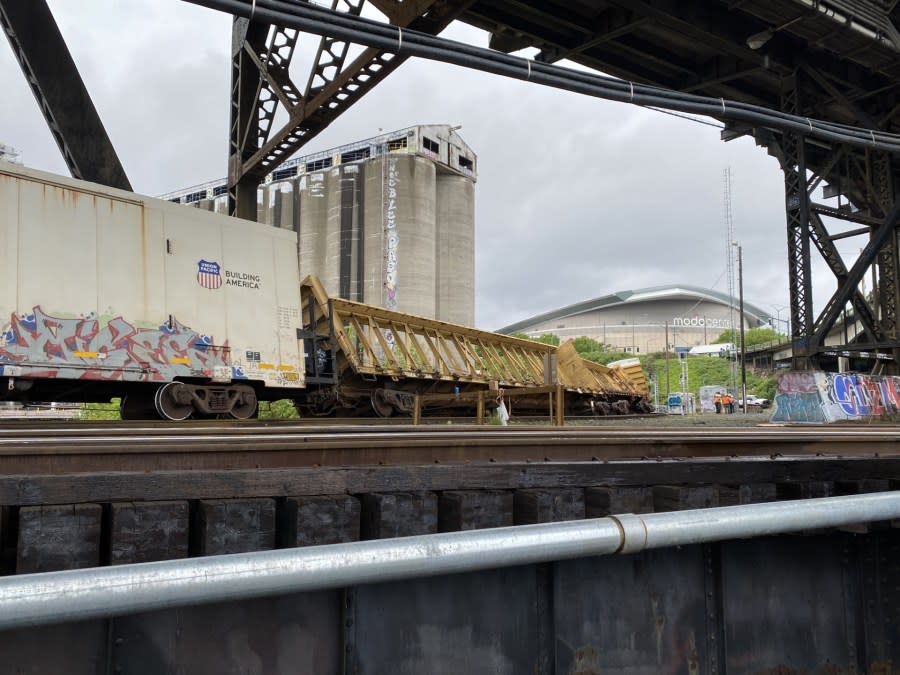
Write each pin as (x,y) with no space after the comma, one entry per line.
(80,448)
(79,495)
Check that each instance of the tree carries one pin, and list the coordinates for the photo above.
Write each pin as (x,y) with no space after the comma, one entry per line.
(548,339)
(752,337)
(585,345)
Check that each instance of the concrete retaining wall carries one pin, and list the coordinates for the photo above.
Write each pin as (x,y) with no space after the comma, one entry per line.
(818,397)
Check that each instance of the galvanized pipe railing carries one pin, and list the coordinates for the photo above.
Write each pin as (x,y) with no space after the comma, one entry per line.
(53,597)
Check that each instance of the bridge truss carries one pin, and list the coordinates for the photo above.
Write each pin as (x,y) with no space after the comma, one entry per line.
(837,61)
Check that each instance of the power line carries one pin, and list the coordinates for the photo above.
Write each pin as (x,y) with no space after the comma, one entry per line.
(342,26)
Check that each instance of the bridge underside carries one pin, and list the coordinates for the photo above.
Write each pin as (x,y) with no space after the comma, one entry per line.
(836,60)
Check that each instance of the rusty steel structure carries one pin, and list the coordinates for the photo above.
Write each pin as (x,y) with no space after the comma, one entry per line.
(834,61)
(826,63)
(65,102)
(366,359)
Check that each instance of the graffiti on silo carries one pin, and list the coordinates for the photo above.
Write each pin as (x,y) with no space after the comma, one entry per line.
(391,238)
(317,185)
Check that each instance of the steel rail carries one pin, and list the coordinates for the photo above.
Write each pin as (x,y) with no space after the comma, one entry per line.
(608,426)
(319,21)
(212,448)
(52,597)
(326,437)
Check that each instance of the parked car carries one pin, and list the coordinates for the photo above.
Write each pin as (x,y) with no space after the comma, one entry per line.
(755,401)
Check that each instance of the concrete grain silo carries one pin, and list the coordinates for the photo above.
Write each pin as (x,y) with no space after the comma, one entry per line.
(330,267)
(311,224)
(408,234)
(455,247)
(388,221)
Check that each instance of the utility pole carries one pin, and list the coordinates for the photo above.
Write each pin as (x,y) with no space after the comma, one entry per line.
(667,363)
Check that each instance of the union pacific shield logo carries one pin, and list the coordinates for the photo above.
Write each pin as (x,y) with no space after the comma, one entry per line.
(209,274)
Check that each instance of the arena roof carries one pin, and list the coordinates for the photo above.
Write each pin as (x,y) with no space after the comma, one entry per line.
(680,292)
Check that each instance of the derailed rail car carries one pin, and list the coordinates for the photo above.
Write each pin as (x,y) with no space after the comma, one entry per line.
(363,359)
(177,311)
(185,313)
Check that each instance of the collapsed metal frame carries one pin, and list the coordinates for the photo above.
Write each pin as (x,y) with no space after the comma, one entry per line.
(376,342)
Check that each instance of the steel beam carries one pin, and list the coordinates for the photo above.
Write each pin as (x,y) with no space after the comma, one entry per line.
(262,63)
(61,95)
(867,257)
(797,209)
(247,40)
(832,257)
(888,264)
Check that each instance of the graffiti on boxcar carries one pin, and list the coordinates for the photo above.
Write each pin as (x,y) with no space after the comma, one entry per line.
(832,397)
(88,347)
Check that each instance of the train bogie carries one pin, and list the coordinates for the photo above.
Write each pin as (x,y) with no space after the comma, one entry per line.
(105,293)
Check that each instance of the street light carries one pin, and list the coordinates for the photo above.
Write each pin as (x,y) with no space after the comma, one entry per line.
(778,309)
(741,296)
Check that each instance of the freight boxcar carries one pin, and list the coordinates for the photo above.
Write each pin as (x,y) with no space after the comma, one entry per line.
(185,313)
(177,311)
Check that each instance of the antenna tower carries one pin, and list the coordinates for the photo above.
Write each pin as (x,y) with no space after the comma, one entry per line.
(729,270)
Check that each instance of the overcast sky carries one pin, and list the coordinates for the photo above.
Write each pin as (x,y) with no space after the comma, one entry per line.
(576,197)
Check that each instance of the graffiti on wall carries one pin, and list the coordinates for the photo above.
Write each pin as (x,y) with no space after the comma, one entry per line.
(91,348)
(391,239)
(832,397)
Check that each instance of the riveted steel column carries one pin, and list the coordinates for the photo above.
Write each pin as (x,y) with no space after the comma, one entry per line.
(879,167)
(246,38)
(797,209)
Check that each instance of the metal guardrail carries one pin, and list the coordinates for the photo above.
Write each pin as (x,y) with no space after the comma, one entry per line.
(35,599)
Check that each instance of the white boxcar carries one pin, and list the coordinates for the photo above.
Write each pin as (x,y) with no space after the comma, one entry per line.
(104,293)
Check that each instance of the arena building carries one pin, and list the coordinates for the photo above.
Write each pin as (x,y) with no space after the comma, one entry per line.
(640,321)
(388,221)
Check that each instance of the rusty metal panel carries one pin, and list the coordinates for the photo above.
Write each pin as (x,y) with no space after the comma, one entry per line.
(71,648)
(880,586)
(789,604)
(640,614)
(487,622)
(298,633)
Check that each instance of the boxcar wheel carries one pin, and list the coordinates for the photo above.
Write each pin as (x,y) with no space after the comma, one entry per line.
(246,406)
(168,404)
(380,404)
